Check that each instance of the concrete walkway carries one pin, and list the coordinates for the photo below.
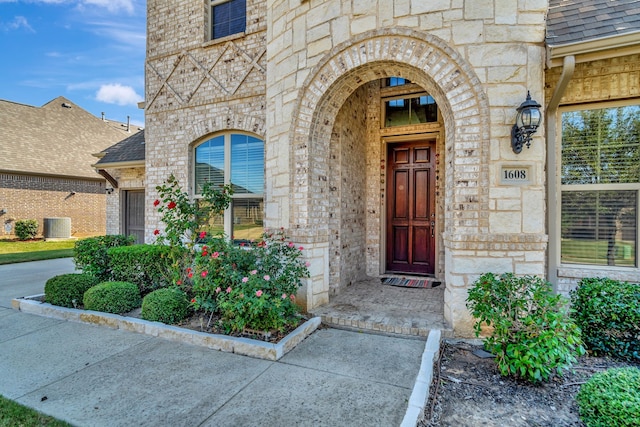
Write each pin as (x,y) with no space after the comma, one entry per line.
(95,376)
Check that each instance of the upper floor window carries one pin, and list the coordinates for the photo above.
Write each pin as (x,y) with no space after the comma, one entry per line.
(228,17)
(600,186)
(236,159)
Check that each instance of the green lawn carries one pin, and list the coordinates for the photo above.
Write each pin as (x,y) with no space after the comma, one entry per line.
(12,251)
(13,414)
(582,251)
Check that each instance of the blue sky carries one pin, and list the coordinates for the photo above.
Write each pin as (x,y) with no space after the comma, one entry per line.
(89,51)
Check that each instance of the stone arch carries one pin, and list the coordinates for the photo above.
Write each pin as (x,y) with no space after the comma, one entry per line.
(424,59)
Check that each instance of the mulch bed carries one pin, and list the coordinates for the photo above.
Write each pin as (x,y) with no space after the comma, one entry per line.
(468,390)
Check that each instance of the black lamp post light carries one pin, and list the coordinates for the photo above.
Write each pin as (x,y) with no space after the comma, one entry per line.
(527,122)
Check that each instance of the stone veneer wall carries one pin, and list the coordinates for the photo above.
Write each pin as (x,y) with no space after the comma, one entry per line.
(477,58)
(128,179)
(592,82)
(39,197)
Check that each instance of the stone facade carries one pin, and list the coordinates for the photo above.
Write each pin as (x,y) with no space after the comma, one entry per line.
(306,77)
(477,65)
(38,197)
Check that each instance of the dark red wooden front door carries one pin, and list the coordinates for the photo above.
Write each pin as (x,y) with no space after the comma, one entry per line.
(411,207)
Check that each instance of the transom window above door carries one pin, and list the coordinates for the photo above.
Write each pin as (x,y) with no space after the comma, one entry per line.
(236,159)
(406,103)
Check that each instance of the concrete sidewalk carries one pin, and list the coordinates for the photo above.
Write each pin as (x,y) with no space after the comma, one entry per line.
(95,376)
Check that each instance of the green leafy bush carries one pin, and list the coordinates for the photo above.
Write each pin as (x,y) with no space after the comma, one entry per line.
(251,287)
(67,290)
(148,266)
(112,297)
(611,398)
(26,229)
(608,312)
(166,305)
(90,255)
(533,335)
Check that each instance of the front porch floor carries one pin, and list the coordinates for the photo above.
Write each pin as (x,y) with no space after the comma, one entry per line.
(370,306)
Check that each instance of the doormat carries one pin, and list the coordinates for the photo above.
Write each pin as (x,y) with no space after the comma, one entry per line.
(411,283)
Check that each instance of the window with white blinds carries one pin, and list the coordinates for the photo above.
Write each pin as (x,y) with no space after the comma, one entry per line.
(600,184)
(236,159)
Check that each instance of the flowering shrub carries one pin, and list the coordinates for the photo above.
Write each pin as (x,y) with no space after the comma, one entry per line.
(183,218)
(251,286)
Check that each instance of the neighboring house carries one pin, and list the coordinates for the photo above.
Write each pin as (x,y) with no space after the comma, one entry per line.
(45,165)
(123,167)
(378,133)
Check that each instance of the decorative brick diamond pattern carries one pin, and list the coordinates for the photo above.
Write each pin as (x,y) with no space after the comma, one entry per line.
(226,70)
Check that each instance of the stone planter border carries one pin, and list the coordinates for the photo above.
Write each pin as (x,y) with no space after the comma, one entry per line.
(245,346)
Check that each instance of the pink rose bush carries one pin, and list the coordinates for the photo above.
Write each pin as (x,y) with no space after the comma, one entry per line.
(245,284)
(255,276)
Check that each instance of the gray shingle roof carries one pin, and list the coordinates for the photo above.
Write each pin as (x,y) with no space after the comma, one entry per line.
(58,138)
(127,150)
(572,21)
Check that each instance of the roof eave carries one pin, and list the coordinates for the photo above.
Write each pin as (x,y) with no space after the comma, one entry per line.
(594,49)
(119,165)
(49,175)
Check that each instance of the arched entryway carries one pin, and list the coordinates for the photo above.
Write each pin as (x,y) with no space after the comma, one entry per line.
(338,93)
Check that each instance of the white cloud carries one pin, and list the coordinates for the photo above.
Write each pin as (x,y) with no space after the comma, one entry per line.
(111,5)
(115,93)
(126,35)
(17,23)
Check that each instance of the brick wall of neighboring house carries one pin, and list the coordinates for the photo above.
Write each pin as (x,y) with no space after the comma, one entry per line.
(39,197)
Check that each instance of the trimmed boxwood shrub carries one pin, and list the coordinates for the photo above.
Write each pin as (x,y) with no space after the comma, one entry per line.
(90,255)
(611,398)
(608,312)
(67,290)
(26,229)
(112,297)
(166,305)
(148,266)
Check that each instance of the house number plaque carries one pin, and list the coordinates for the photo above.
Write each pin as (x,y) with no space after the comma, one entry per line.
(514,175)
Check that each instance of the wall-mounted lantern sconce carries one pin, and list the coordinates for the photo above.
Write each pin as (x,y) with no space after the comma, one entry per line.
(109,190)
(527,122)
